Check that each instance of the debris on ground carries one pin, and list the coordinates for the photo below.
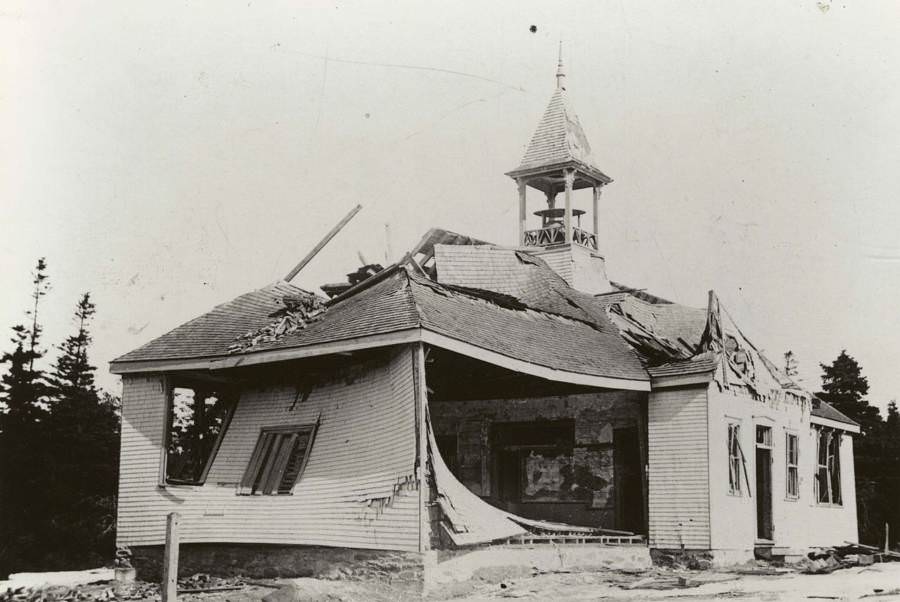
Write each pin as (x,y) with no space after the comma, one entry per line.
(827,560)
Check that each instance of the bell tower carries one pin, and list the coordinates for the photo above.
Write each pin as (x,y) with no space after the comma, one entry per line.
(558,162)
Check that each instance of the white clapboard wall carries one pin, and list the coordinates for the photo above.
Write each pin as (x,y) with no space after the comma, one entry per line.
(678,469)
(358,488)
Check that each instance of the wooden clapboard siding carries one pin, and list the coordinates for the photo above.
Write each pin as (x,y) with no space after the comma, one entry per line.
(678,469)
(358,488)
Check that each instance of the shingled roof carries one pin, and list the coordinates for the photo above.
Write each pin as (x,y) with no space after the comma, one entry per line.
(823,409)
(212,333)
(400,299)
(559,141)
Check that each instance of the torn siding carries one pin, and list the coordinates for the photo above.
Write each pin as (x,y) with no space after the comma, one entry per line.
(469,519)
(358,488)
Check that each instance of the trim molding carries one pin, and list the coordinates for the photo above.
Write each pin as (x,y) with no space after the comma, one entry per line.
(399,337)
(850,428)
(411,335)
(504,361)
(662,382)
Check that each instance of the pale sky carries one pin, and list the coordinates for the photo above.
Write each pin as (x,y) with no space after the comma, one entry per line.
(169,156)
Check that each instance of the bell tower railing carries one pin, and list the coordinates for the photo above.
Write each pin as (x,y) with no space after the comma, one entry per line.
(557,235)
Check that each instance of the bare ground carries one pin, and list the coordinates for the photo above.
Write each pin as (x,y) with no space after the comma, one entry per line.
(876,583)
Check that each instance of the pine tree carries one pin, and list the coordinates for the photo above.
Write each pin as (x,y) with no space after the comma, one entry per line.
(22,387)
(844,387)
(24,393)
(82,474)
(790,364)
(73,375)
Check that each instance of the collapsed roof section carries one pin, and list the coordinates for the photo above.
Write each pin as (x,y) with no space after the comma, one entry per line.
(578,346)
(496,304)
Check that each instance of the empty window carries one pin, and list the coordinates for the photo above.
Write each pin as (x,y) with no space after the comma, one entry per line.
(763,436)
(198,418)
(828,467)
(792,474)
(734,459)
(278,460)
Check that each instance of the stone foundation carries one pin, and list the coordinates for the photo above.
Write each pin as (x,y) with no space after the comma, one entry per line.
(270,561)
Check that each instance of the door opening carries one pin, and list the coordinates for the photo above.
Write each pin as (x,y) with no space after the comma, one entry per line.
(764,526)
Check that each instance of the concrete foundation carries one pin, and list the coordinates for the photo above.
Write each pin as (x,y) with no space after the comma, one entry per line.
(493,564)
(269,561)
(416,571)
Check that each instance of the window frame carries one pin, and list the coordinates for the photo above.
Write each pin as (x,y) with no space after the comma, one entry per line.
(169,385)
(735,459)
(262,463)
(831,470)
(790,465)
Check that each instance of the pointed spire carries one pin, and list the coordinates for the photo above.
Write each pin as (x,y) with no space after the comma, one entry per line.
(560,71)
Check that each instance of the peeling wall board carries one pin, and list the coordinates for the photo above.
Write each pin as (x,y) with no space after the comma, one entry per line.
(358,488)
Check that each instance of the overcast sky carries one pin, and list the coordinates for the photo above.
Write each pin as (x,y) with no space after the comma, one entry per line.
(169,156)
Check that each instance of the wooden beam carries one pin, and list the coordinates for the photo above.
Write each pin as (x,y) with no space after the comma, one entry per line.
(169,586)
(596,214)
(522,212)
(315,251)
(421,400)
(570,181)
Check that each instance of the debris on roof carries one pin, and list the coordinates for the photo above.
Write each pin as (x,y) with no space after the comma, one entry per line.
(298,311)
(658,332)
(353,278)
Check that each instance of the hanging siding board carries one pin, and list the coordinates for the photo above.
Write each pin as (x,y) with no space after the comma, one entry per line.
(679,473)
(357,490)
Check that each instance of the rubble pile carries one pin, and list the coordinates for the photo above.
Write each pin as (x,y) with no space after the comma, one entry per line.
(298,312)
(828,560)
(111,591)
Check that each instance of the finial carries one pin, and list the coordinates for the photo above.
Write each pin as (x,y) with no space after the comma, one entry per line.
(560,72)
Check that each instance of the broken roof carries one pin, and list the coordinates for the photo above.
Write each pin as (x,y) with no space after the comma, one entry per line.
(400,300)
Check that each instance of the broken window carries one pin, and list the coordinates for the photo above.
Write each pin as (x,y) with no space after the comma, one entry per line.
(198,418)
(734,459)
(792,474)
(278,460)
(828,467)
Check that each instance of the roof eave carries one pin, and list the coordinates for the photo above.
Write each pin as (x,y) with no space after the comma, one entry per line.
(586,169)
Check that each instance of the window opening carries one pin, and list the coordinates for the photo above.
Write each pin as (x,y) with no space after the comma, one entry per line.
(792,452)
(278,460)
(828,467)
(198,419)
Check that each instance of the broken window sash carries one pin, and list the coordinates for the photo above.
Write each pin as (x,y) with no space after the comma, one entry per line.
(828,467)
(792,460)
(734,459)
(197,418)
(278,460)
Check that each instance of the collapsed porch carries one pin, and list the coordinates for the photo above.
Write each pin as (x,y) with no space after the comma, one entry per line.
(565,461)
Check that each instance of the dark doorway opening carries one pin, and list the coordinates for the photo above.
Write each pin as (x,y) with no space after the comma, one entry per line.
(764,526)
(629,496)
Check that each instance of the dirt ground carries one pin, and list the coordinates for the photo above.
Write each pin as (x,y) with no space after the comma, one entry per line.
(876,583)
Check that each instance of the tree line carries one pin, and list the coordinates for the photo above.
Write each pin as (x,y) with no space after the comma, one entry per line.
(59,447)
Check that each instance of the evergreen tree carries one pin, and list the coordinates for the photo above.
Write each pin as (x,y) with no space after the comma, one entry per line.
(23,387)
(73,375)
(23,392)
(844,387)
(84,451)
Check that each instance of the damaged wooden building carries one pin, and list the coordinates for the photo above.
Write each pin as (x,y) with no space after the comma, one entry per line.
(475,395)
